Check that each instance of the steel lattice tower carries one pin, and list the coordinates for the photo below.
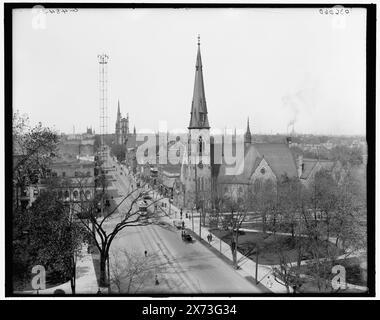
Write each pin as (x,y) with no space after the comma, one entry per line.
(103,102)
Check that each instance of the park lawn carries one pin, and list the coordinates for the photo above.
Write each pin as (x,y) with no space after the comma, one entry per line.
(269,245)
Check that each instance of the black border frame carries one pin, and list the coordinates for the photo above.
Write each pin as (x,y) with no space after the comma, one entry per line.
(370,134)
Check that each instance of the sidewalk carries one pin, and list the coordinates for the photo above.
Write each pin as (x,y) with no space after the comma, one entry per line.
(247,266)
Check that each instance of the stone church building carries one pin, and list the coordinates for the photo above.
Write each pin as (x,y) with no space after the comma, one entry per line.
(121,127)
(202,178)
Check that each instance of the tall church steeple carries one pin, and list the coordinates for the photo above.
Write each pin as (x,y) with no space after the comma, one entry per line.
(118,111)
(248,135)
(196,172)
(199,119)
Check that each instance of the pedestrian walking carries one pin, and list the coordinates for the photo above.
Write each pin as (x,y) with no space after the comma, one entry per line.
(210,237)
(181,213)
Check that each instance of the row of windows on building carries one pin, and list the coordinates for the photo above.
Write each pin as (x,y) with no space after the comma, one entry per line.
(76,174)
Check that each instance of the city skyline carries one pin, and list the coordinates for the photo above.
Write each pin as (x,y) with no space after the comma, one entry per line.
(312,82)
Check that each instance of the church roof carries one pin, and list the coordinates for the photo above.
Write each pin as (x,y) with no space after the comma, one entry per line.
(279,158)
(277,155)
(198,113)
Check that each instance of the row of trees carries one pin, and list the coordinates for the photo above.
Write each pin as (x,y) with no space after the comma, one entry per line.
(344,154)
(322,220)
(43,233)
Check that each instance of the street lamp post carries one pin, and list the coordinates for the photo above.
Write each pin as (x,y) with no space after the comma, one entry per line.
(192,218)
(200,230)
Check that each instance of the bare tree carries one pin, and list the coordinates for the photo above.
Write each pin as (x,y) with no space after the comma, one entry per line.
(132,271)
(236,205)
(128,210)
(289,202)
(286,273)
(263,195)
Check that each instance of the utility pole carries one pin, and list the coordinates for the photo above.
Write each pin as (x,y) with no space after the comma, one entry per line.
(192,218)
(257,264)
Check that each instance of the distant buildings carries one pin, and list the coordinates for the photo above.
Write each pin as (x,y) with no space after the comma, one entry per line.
(71,172)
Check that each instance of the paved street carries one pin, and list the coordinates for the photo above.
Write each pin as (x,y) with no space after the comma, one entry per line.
(184,267)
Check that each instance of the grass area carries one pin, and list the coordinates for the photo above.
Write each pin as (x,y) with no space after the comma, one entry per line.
(269,245)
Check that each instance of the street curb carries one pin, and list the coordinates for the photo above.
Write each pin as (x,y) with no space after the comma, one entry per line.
(221,256)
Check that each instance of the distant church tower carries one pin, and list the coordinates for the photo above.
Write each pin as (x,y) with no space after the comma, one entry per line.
(198,170)
(117,126)
(248,135)
(121,127)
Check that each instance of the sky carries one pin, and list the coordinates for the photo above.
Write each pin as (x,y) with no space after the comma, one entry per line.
(275,66)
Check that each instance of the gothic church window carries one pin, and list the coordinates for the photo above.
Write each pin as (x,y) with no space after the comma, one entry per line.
(200,145)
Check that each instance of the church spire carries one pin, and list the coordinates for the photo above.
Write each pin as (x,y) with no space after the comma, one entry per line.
(248,135)
(199,119)
(118,110)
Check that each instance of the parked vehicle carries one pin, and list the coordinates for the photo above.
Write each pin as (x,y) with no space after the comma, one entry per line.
(187,237)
